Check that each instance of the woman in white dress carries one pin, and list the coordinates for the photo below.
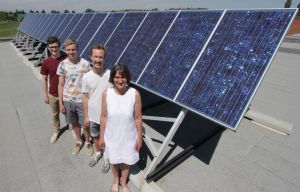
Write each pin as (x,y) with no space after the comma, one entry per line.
(121,125)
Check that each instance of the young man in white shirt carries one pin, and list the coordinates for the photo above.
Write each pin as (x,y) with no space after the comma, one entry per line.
(94,83)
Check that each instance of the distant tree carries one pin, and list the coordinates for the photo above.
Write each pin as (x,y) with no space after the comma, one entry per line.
(3,16)
(288,4)
(73,11)
(31,11)
(66,11)
(36,11)
(54,11)
(89,10)
(43,11)
(298,6)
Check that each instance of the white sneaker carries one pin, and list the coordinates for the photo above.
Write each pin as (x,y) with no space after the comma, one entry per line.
(54,137)
(95,159)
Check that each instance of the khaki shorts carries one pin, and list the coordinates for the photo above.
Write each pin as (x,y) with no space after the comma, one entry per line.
(74,112)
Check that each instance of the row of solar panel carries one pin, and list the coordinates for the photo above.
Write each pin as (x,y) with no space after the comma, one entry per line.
(210,62)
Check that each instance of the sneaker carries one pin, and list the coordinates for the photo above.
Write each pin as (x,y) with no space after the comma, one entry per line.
(76,148)
(54,137)
(95,159)
(106,165)
(90,149)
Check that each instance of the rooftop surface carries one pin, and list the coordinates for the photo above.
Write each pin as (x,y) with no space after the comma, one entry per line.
(253,158)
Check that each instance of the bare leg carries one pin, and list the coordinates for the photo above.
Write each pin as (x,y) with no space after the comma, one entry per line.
(96,141)
(115,172)
(87,134)
(125,173)
(77,131)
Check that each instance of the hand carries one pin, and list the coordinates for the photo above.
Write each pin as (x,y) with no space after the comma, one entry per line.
(62,108)
(101,143)
(138,144)
(46,99)
(86,122)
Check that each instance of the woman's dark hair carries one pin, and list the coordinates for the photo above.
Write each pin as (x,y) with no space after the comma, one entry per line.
(122,69)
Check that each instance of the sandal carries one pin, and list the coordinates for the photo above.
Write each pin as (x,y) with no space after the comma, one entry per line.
(114,188)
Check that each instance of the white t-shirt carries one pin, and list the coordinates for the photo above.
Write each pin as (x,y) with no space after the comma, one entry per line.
(73,78)
(94,85)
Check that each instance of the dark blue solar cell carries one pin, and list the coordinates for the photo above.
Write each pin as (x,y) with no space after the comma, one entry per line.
(43,36)
(145,41)
(70,27)
(225,78)
(34,21)
(59,18)
(178,51)
(103,33)
(44,25)
(63,24)
(84,21)
(37,26)
(90,30)
(25,22)
(121,36)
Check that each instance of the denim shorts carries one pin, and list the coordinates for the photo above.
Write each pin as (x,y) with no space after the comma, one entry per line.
(94,129)
(74,112)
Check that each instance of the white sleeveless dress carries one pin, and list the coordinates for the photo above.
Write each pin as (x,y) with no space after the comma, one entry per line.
(120,132)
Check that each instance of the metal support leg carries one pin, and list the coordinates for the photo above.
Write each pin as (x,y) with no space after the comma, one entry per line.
(163,148)
(39,61)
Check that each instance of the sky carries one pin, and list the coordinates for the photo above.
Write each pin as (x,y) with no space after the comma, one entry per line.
(108,5)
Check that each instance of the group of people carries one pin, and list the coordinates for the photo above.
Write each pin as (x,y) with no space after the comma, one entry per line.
(96,100)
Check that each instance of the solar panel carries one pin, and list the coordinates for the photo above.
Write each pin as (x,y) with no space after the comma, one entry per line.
(70,27)
(174,58)
(227,75)
(103,33)
(25,22)
(90,30)
(35,27)
(84,21)
(121,36)
(49,25)
(59,18)
(145,41)
(210,62)
(41,28)
(63,24)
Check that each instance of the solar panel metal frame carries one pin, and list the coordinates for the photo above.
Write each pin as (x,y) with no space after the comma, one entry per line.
(44,35)
(48,27)
(73,33)
(55,24)
(65,34)
(130,43)
(82,54)
(138,81)
(116,31)
(86,30)
(41,28)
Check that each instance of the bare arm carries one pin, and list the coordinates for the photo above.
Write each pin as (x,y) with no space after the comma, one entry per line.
(138,120)
(45,88)
(103,119)
(61,84)
(85,102)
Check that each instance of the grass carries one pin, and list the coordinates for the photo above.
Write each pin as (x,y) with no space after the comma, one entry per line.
(8,29)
